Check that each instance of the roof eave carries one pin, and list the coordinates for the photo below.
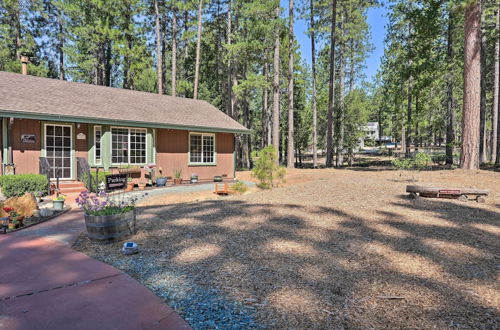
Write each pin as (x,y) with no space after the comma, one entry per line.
(89,120)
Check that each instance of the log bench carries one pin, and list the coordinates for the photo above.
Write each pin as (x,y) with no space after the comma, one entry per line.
(462,194)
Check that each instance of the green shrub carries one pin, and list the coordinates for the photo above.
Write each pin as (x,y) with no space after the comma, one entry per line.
(19,184)
(101,178)
(418,162)
(240,187)
(266,168)
(438,158)
(421,161)
(402,163)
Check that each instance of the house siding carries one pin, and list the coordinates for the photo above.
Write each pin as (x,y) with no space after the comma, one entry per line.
(172,147)
(169,148)
(26,155)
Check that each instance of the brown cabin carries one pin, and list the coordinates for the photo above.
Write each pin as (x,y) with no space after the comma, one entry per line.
(111,128)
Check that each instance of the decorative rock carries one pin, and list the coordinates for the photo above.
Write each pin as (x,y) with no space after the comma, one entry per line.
(24,205)
(130,248)
(46,212)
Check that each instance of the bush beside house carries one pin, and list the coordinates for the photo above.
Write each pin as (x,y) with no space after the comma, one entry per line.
(19,184)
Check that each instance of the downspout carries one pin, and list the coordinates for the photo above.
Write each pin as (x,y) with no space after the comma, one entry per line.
(234,156)
(9,140)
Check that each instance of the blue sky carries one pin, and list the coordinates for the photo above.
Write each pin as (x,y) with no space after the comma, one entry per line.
(377,20)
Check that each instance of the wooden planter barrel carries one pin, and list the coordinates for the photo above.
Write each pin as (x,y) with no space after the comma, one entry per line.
(110,228)
(130,170)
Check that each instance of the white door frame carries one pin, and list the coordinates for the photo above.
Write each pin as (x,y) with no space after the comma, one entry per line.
(72,153)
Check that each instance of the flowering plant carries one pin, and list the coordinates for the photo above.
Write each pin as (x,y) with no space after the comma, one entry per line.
(13,215)
(103,204)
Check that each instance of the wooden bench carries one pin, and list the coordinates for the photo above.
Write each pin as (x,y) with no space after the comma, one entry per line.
(450,193)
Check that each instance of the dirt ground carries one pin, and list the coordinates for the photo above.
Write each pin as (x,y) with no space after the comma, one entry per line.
(336,249)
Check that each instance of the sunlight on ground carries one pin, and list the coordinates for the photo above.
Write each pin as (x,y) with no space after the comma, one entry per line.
(197,253)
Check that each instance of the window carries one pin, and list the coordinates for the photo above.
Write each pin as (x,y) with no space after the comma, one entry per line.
(201,148)
(128,145)
(97,143)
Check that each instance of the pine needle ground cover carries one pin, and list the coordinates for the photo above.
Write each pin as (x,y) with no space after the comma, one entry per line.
(332,249)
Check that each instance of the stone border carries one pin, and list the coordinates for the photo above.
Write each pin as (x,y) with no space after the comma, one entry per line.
(66,209)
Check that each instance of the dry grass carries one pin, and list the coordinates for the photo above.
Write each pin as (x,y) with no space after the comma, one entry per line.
(339,249)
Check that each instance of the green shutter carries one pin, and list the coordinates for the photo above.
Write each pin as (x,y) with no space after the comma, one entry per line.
(91,146)
(106,147)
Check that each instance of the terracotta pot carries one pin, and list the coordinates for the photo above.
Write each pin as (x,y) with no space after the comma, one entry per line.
(130,186)
(177,181)
(142,186)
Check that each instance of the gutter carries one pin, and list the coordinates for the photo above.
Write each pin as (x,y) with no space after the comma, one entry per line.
(131,123)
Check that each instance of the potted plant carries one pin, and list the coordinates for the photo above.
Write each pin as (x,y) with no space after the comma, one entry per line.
(178,176)
(108,219)
(130,184)
(194,178)
(161,181)
(142,185)
(15,219)
(58,202)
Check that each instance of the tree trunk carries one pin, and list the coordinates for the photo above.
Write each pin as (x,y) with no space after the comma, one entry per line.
(60,44)
(314,105)
(174,51)
(229,63)
(107,65)
(276,85)
(496,82)
(450,131)
(341,108)
(409,118)
(159,59)
(265,109)
(483,153)
(331,88)
(291,144)
(198,50)
(127,77)
(472,87)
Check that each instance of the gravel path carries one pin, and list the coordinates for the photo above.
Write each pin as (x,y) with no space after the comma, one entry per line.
(346,249)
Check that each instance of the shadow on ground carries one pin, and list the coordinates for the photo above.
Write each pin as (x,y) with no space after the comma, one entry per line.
(430,264)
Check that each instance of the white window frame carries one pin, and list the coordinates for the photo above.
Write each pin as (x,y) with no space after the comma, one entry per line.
(202,163)
(96,162)
(111,145)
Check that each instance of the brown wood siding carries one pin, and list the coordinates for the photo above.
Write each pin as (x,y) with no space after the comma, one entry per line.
(171,151)
(172,154)
(81,146)
(25,154)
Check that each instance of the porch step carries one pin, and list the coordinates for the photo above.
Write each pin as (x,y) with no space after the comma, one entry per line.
(74,184)
(70,187)
(65,191)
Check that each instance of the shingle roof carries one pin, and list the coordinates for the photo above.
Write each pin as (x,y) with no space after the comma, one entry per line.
(34,97)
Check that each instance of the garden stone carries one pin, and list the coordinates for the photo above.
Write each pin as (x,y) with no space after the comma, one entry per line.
(46,212)
(24,205)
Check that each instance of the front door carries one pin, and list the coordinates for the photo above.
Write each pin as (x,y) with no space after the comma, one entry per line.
(58,150)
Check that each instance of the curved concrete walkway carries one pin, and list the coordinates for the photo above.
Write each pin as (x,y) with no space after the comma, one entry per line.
(44,284)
